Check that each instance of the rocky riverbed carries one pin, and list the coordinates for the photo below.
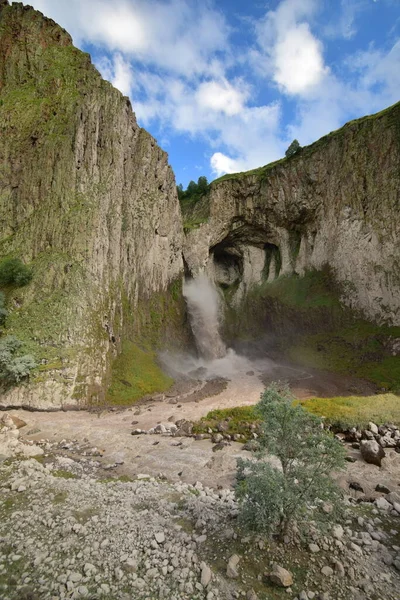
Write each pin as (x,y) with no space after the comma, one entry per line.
(82,519)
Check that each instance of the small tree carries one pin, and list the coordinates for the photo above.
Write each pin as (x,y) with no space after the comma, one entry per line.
(272,497)
(293,148)
(14,272)
(14,368)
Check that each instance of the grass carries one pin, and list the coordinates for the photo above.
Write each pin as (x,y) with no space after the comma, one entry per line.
(312,290)
(63,474)
(344,412)
(356,411)
(360,349)
(238,419)
(135,373)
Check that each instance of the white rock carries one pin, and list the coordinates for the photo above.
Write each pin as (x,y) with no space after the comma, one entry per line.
(159,537)
(205,574)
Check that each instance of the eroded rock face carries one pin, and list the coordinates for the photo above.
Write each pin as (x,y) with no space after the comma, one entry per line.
(89,199)
(334,203)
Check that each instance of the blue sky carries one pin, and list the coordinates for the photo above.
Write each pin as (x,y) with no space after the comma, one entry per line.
(226,85)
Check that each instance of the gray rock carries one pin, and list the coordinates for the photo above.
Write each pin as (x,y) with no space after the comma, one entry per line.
(159,537)
(280,576)
(372,452)
(337,532)
(374,428)
(383,504)
(232,567)
(327,571)
(205,574)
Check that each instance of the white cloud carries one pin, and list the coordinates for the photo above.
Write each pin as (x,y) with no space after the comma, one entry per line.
(118,72)
(173,57)
(177,35)
(221,96)
(221,164)
(290,53)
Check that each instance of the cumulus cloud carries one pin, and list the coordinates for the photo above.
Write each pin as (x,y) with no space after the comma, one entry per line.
(221,96)
(175,59)
(118,71)
(174,34)
(290,53)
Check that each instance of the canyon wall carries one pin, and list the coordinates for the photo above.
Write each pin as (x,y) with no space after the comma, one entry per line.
(335,203)
(88,199)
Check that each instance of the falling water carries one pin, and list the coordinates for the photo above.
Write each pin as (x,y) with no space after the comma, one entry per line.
(203,306)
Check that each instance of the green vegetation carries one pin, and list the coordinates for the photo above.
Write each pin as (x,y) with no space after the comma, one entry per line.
(135,373)
(272,498)
(343,412)
(63,474)
(193,203)
(14,272)
(360,348)
(356,411)
(314,330)
(238,420)
(293,149)
(194,191)
(313,289)
(3,311)
(14,367)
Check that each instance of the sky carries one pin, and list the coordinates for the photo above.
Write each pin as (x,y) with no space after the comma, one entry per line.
(226,85)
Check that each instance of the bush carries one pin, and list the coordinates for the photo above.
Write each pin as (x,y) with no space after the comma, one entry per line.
(14,272)
(272,497)
(3,311)
(14,368)
(293,148)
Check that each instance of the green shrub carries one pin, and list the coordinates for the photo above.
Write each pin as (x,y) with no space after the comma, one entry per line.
(14,368)
(272,497)
(14,272)
(3,311)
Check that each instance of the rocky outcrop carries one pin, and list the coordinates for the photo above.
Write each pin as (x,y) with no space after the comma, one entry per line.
(334,203)
(88,199)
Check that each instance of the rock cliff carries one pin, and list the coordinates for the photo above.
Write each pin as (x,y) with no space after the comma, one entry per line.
(88,199)
(334,203)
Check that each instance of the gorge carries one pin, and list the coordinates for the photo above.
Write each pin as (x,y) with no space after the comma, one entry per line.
(199,399)
(88,200)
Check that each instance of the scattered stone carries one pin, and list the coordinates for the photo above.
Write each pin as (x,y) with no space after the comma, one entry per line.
(372,452)
(337,532)
(382,488)
(314,548)
(232,568)
(280,576)
(205,574)
(383,504)
(327,571)
(160,537)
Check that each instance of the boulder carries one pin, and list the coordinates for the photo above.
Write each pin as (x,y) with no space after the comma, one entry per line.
(205,577)
(374,428)
(372,452)
(280,576)
(232,568)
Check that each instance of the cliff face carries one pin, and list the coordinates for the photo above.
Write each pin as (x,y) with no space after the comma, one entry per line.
(89,200)
(334,203)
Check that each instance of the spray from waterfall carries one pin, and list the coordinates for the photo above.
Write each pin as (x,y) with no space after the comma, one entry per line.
(203,307)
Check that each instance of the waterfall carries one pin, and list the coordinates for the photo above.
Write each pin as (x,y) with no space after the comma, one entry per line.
(203,306)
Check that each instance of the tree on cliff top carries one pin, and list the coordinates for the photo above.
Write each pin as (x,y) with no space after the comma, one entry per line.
(194,191)
(293,148)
